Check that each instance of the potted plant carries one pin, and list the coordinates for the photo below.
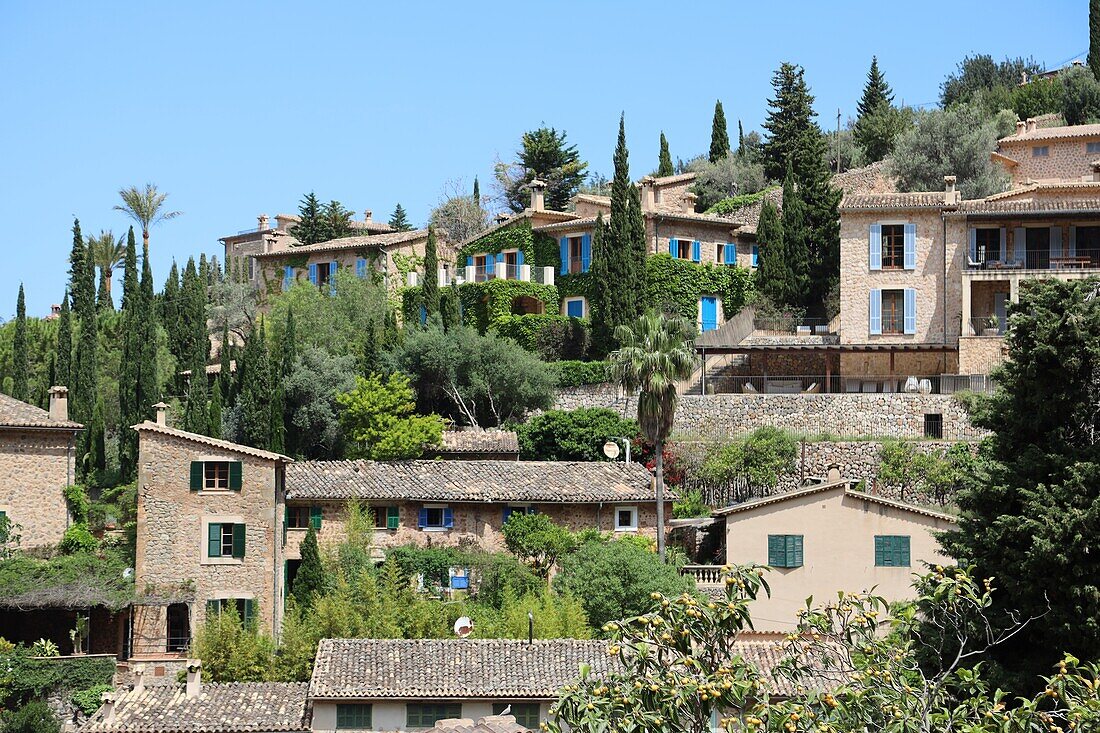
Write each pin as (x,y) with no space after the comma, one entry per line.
(992,326)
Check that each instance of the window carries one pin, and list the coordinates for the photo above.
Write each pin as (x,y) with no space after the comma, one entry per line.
(215,475)
(179,628)
(756,255)
(527,713)
(893,246)
(303,517)
(576,255)
(785,550)
(933,425)
(245,608)
(1040,151)
(892,551)
(987,245)
(386,517)
(224,539)
(680,249)
(436,517)
(353,716)
(893,311)
(574,307)
(1037,248)
(727,254)
(517,509)
(626,518)
(251,268)
(1092,147)
(427,714)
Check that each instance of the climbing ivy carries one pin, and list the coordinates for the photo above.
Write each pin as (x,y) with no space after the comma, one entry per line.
(675,285)
(483,303)
(513,236)
(24,677)
(551,336)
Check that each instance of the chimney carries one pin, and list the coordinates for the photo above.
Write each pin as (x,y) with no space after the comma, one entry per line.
(950,195)
(832,474)
(1031,125)
(59,404)
(1020,124)
(367,215)
(162,410)
(647,194)
(107,700)
(261,220)
(538,195)
(139,678)
(194,677)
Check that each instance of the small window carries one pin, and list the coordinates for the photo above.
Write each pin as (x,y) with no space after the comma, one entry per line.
(245,608)
(626,518)
(436,517)
(427,714)
(574,307)
(785,550)
(893,311)
(216,475)
(297,517)
(684,249)
(893,246)
(386,517)
(1040,151)
(933,425)
(527,714)
(892,551)
(1092,147)
(224,539)
(353,716)
(251,268)
(517,509)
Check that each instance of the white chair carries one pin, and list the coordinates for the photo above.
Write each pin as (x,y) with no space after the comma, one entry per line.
(812,389)
(747,388)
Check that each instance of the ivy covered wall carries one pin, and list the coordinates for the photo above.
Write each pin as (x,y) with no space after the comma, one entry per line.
(539,249)
(483,303)
(676,285)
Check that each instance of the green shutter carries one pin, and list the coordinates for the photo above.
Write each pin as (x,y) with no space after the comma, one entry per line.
(214,540)
(393,517)
(903,551)
(794,550)
(238,541)
(249,606)
(776,551)
(196,475)
(880,551)
(315,515)
(235,475)
(286,522)
(213,608)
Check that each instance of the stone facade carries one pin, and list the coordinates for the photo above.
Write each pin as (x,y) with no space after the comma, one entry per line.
(37,464)
(980,354)
(1067,152)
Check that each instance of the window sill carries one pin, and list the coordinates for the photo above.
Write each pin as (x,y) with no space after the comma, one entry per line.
(217,492)
(626,529)
(435,529)
(222,561)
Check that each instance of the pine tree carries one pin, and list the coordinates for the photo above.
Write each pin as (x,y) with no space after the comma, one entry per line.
(1094,37)
(796,242)
(204,270)
(311,228)
(255,396)
(336,221)
(664,159)
(214,414)
(429,291)
(310,578)
(878,122)
(792,133)
(63,364)
(773,275)
(719,135)
(876,92)
(477,192)
(20,363)
(399,220)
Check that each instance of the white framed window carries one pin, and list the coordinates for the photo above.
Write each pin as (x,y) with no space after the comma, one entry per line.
(435,518)
(1092,147)
(1040,151)
(574,307)
(626,518)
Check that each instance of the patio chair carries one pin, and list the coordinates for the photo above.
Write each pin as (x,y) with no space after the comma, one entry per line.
(911,385)
(747,388)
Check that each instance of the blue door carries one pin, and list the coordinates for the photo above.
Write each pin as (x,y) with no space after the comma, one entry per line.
(709,311)
(574,308)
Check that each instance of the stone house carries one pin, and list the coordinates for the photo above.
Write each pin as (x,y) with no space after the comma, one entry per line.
(207,536)
(825,538)
(464,502)
(37,461)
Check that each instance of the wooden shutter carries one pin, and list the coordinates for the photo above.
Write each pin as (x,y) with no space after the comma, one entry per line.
(875,313)
(313,273)
(519,258)
(586,252)
(755,255)
(249,611)
(902,551)
(213,608)
(875,244)
(563,251)
(1019,244)
(315,515)
(1055,241)
(880,551)
(422,519)
(235,475)
(910,242)
(507,512)
(910,314)
(794,550)
(674,248)
(238,541)
(214,540)
(393,517)
(696,251)
(1072,250)
(469,260)
(360,267)
(448,518)
(197,468)
(288,277)
(777,551)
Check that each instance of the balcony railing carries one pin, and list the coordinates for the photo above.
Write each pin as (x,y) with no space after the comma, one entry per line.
(1040,259)
(789,325)
(811,384)
(703,574)
(987,326)
(576,265)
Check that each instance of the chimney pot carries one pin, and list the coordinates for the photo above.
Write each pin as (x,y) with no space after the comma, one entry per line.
(1020,125)
(538,194)
(1031,124)
(262,221)
(194,677)
(107,700)
(367,215)
(59,404)
(162,410)
(139,678)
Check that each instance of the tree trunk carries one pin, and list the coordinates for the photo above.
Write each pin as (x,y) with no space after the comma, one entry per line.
(145,238)
(660,446)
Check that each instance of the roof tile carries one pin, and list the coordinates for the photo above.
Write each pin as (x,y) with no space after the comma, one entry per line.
(18,414)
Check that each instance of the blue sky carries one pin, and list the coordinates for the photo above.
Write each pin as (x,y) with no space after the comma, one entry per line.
(238,108)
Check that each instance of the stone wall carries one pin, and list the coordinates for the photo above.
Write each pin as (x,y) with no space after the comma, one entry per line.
(1066,159)
(979,354)
(843,415)
(36,466)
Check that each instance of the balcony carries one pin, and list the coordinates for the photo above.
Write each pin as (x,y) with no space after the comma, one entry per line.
(988,325)
(1036,260)
(703,574)
(505,271)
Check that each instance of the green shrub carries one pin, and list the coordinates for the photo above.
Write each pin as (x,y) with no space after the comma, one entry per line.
(89,700)
(690,505)
(485,303)
(79,503)
(759,459)
(78,538)
(536,540)
(579,373)
(552,337)
(674,286)
(572,435)
(502,576)
(735,203)
(34,717)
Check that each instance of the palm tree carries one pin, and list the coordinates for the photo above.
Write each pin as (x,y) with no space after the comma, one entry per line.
(656,352)
(108,255)
(144,207)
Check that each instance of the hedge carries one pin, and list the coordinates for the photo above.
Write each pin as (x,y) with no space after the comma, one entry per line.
(675,285)
(485,303)
(552,337)
(580,373)
(28,677)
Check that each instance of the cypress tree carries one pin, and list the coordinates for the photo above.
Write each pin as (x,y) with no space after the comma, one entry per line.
(95,459)
(278,425)
(740,140)
(1094,37)
(310,579)
(773,271)
(876,92)
(370,361)
(20,363)
(84,397)
(214,428)
(429,291)
(289,345)
(196,411)
(719,135)
(448,307)
(399,220)
(311,228)
(64,362)
(194,344)
(130,364)
(796,239)
(76,264)
(170,312)
(477,192)
(204,270)
(148,379)
(103,293)
(604,294)
(255,396)
(664,159)
(391,334)
(225,378)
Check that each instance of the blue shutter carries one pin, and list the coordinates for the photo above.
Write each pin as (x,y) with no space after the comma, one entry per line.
(360,267)
(586,252)
(519,258)
(674,248)
(574,308)
(563,251)
(448,518)
(910,246)
(910,310)
(875,240)
(507,513)
(875,317)
(332,267)
(422,518)
(288,278)
(973,244)
(469,261)
(1056,241)
(313,273)
(696,251)
(708,313)
(423,316)
(756,255)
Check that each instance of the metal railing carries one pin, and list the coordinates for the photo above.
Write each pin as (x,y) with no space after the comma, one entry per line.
(811,384)
(153,646)
(1038,259)
(787,325)
(484,273)
(987,326)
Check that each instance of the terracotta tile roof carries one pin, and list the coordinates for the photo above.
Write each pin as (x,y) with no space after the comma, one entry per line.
(153,427)
(887,201)
(488,724)
(345,243)
(480,441)
(586,223)
(593,199)
(1046,187)
(1030,206)
(693,218)
(233,707)
(567,482)
(669,180)
(1066,132)
(18,414)
(818,488)
(514,218)
(453,669)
